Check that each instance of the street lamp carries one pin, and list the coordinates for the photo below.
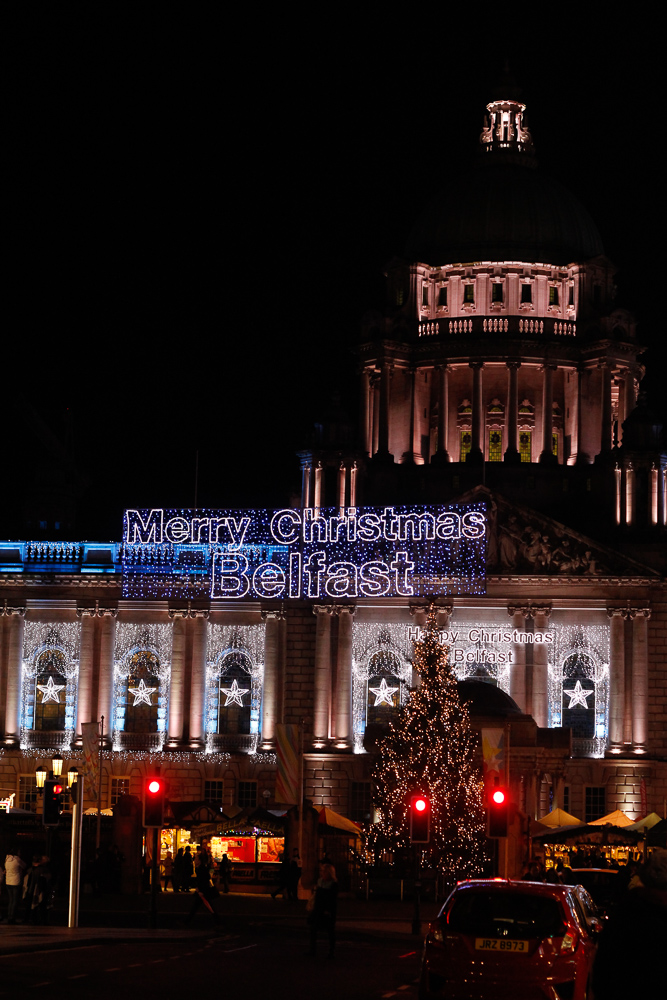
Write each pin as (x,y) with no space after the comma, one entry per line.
(40,777)
(72,776)
(57,765)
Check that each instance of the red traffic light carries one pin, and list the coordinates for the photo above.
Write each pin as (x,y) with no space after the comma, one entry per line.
(154,801)
(57,789)
(497,812)
(420,819)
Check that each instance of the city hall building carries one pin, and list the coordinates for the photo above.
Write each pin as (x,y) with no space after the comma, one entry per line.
(505,467)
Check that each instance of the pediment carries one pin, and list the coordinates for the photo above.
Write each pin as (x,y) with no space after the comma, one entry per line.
(525,542)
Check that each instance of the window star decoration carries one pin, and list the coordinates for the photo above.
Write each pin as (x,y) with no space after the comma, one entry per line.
(578,695)
(142,694)
(50,691)
(234,694)
(383,693)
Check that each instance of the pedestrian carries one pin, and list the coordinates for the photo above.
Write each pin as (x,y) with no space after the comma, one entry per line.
(225,869)
(168,865)
(283,878)
(188,869)
(37,890)
(14,868)
(634,936)
(323,904)
(294,875)
(205,892)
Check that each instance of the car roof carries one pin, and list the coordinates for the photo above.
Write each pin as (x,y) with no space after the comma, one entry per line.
(514,885)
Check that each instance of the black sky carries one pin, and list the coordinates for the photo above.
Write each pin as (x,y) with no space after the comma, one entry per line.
(199,212)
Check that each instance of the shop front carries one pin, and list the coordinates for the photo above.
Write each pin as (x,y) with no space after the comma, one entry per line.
(253,842)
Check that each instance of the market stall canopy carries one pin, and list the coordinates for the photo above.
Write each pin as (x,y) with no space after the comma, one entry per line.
(589,834)
(333,819)
(647,823)
(615,818)
(558,817)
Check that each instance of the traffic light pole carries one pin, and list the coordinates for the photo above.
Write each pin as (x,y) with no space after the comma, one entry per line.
(155,875)
(75,857)
(416,917)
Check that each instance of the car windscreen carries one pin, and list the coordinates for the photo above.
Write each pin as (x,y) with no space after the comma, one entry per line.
(505,914)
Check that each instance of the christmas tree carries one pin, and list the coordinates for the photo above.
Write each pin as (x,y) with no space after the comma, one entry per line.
(429,750)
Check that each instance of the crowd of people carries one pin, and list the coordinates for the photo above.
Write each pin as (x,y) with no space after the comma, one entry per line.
(29,887)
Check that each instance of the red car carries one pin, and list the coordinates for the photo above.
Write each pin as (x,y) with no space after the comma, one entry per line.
(496,938)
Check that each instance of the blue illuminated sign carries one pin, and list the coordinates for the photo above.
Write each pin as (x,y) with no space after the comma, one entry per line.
(354,552)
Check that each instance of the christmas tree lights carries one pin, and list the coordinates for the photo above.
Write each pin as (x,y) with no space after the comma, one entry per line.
(430,749)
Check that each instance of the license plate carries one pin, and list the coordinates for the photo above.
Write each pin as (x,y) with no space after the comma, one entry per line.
(500,944)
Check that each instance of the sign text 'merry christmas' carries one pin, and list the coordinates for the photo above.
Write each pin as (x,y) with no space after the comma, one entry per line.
(311,553)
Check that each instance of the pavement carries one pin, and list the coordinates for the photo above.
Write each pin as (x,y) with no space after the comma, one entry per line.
(116,919)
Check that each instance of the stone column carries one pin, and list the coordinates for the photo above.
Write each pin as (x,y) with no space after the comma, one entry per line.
(322,693)
(541,669)
(84,695)
(616,676)
(547,457)
(343,693)
(353,485)
(341,485)
(317,489)
(270,699)
(518,614)
(639,694)
(177,679)
(605,440)
(629,393)
(14,627)
(366,411)
(375,415)
(385,382)
(476,452)
(512,455)
(582,457)
(105,692)
(305,486)
(441,454)
(198,679)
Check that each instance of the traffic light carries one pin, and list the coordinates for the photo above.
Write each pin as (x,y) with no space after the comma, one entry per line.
(53,799)
(497,810)
(154,792)
(420,819)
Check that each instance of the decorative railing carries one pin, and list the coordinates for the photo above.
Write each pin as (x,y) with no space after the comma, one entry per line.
(513,325)
(221,742)
(594,747)
(48,739)
(137,741)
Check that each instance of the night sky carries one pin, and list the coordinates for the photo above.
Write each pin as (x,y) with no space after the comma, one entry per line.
(198,215)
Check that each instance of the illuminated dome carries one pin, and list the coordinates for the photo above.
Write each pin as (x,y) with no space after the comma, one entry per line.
(503,208)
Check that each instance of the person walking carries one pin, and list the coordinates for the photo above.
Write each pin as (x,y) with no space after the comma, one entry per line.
(294,875)
(323,913)
(15,866)
(205,893)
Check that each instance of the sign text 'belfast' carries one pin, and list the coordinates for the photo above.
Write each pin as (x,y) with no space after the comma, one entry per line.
(353,552)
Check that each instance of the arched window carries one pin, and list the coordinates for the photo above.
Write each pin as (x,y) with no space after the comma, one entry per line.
(578,699)
(50,690)
(142,688)
(381,676)
(234,694)
(383,687)
(579,686)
